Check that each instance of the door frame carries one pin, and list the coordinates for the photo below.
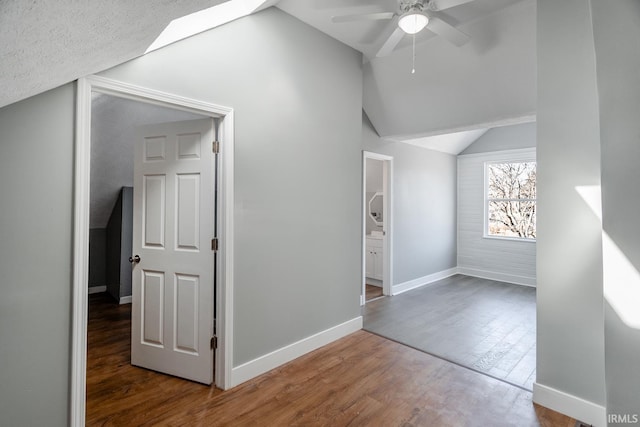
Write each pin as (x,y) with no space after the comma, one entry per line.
(223,356)
(387,214)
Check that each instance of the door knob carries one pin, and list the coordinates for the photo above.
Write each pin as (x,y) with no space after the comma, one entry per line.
(134,259)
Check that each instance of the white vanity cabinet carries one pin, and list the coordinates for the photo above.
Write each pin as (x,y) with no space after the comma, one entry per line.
(373,261)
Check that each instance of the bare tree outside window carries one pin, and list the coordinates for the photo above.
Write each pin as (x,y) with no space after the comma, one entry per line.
(511,199)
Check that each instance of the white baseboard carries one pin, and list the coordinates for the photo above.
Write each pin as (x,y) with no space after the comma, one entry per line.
(279,357)
(501,277)
(125,300)
(422,281)
(374,282)
(574,407)
(97,289)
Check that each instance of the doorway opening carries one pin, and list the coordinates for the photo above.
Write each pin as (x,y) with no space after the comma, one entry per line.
(95,90)
(377,194)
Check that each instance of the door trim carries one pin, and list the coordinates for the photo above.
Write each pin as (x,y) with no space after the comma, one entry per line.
(387,214)
(82,163)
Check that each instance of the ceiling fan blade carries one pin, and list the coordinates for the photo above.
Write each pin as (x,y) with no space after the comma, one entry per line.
(437,5)
(362,17)
(391,42)
(447,31)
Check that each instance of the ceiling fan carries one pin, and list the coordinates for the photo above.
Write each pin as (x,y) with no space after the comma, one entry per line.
(412,17)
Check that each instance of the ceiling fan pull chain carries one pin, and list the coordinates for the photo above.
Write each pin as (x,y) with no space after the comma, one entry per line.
(413,69)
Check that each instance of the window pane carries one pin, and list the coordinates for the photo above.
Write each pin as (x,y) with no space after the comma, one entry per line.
(512,180)
(512,219)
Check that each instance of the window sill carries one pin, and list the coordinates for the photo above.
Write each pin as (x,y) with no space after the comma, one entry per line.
(510,239)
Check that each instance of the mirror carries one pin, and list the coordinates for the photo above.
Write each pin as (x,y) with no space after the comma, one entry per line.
(375,208)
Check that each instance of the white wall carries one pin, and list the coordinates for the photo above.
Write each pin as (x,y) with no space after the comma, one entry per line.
(499,259)
(36,188)
(616,32)
(570,356)
(297,97)
(424,207)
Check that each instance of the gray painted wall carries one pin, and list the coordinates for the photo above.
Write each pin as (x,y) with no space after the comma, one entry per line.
(112,254)
(119,244)
(616,32)
(424,207)
(504,138)
(97,257)
(36,187)
(287,82)
(570,355)
(126,242)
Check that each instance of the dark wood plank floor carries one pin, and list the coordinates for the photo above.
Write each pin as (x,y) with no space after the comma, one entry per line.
(360,380)
(482,324)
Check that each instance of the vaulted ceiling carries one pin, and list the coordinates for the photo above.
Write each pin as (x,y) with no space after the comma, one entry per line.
(45,43)
(367,36)
(488,81)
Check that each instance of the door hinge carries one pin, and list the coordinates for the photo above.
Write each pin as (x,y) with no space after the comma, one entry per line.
(214,244)
(214,342)
(216,147)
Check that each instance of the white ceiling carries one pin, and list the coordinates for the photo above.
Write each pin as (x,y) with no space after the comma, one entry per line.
(491,80)
(368,36)
(451,143)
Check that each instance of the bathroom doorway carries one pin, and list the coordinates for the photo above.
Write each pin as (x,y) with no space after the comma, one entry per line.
(376,226)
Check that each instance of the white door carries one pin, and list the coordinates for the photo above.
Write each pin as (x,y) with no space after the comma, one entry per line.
(173,281)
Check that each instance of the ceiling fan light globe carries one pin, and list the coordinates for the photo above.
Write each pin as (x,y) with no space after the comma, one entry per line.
(413,22)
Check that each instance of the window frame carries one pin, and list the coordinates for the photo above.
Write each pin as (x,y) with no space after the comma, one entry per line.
(487,200)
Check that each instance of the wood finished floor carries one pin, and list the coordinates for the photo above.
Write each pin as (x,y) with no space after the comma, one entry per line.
(372,292)
(482,324)
(360,380)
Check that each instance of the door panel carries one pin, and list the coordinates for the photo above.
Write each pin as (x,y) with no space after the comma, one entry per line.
(152,301)
(187,221)
(153,204)
(172,312)
(186,313)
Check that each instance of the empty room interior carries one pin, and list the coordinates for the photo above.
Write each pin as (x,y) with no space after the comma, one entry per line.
(320,212)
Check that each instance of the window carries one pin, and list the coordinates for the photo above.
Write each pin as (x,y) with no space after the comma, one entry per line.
(511,200)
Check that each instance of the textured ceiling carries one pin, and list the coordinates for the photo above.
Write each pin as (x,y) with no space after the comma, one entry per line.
(47,43)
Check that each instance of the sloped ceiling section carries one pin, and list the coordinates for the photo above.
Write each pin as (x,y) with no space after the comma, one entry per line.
(48,43)
(451,143)
(488,82)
